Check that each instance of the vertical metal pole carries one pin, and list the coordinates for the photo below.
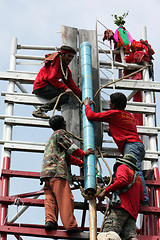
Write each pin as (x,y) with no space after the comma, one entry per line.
(7,135)
(152,139)
(149,120)
(88,137)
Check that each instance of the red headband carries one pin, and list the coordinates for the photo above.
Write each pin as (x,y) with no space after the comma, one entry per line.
(65,51)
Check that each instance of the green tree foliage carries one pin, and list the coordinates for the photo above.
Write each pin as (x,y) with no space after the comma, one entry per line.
(119,20)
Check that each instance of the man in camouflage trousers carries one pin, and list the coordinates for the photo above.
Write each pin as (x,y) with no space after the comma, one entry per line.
(60,152)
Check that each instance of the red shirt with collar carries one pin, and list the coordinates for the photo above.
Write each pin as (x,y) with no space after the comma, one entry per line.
(51,74)
(122,125)
(130,199)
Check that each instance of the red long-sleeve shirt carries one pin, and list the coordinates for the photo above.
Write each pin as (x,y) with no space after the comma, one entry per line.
(130,199)
(51,74)
(121,123)
(75,161)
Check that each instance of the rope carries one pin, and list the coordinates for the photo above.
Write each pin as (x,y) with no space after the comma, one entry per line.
(58,101)
(106,165)
(17,203)
(78,138)
(105,214)
(129,75)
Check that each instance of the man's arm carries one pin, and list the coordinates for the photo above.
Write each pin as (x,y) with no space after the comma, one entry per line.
(52,75)
(120,182)
(92,116)
(80,153)
(76,161)
(71,84)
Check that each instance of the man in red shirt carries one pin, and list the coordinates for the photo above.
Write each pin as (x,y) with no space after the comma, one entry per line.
(54,78)
(122,218)
(123,129)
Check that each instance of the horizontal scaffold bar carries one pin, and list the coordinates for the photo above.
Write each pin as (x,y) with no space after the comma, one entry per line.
(134,107)
(37,232)
(31,99)
(34,122)
(39,148)
(133,85)
(8,200)
(22,77)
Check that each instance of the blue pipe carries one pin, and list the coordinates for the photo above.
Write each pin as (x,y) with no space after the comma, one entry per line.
(88,129)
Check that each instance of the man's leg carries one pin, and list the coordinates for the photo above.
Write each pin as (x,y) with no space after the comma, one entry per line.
(137,150)
(115,220)
(50,93)
(65,201)
(129,229)
(51,208)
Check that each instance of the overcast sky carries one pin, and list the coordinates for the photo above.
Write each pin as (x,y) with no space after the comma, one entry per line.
(38,22)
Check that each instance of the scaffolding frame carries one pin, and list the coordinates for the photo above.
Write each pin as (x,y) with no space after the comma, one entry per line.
(150,229)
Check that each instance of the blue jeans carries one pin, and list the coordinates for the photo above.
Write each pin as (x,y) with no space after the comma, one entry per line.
(137,150)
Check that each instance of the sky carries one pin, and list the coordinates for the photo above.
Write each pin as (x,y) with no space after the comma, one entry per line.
(39,23)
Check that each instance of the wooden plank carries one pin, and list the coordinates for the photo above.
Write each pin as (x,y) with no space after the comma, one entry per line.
(114,152)
(142,130)
(142,209)
(32,99)
(71,111)
(37,232)
(129,66)
(21,174)
(153,183)
(25,121)
(29,194)
(24,146)
(146,130)
(9,200)
(91,37)
(148,237)
(22,77)
(35,122)
(39,148)
(133,84)
(23,98)
(134,107)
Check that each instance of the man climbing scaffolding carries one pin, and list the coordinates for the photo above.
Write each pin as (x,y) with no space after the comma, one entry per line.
(55,78)
(60,152)
(123,129)
(123,213)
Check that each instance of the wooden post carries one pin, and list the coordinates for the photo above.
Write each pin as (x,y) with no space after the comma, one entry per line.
(71,111)
(90,36)
(93,219)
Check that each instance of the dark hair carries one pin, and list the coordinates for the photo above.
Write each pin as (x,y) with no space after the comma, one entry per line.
(68,48)
(56,122)
(119,99)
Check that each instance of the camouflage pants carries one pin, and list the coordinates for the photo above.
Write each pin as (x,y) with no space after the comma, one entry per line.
(121,222)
